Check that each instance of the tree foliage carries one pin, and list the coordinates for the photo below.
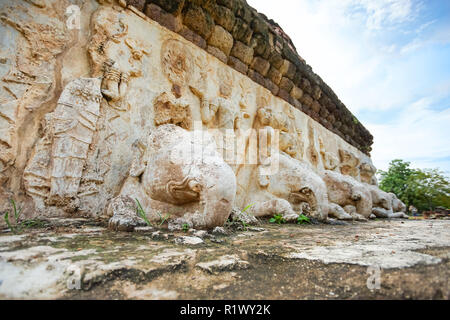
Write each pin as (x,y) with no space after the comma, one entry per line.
(425,189)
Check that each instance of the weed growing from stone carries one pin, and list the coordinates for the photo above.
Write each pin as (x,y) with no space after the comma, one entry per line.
(141,213)
(19,226)
(278,218)
(302,219)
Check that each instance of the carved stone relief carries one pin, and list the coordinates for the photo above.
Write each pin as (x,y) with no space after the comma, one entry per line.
(54,171)
(124,131)
(197,188)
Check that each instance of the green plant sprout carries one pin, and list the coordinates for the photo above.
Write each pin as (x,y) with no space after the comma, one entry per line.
(302,219)
(29,223)
(185,227)
(141,213)
(278,218)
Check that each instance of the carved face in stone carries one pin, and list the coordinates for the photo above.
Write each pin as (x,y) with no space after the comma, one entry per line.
(185,170)
(264,116)
(177,62)
(295,182)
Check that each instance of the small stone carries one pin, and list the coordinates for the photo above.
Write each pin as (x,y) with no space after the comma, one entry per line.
(200,233)
(256,229)
(219,231)
(158,235)
(243,217)
(143,229)
(224,263)
(188,240)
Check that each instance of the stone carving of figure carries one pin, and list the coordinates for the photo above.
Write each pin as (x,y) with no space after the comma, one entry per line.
(386,205)
(293,189)
(349,163)
(114,56)
(367,173)
(349,199)
(227,114)
(56,167)
(194,187)
(280,122)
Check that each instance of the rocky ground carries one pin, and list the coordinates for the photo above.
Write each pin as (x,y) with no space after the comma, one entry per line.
(78,259)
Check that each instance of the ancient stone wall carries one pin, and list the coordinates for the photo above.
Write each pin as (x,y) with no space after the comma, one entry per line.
(252,44)
(114,114)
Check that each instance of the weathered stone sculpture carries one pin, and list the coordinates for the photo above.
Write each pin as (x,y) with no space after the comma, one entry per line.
(385,205)
(180,174)
(97,118)
(293,189)
(55,170)
(349,199)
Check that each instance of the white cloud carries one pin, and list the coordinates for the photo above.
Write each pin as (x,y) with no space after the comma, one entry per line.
(419,135)
(372,54)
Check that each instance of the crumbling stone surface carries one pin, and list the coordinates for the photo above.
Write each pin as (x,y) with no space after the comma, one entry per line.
(73,258)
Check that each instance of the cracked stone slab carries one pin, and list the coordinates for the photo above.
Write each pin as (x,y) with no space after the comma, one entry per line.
(224,263)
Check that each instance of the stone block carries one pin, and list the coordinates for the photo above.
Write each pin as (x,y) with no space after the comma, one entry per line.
(274,75)
(198,21)
(138,4)
(163,18)
(242,52)
(296,92)
(260,65)
(238,65)
(224,17)
(216,52)
(242,31)
(191,36)
(222,39)
(261,45)
(255,76)
(171,6)
(272,87)
(287,69)
(276,60)
(286,84)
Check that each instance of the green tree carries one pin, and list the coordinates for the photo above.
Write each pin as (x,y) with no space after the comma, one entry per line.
(396,178)
(429,189)
(425,189)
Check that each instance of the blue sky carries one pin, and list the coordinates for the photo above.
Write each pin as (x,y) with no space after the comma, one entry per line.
(388,61)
